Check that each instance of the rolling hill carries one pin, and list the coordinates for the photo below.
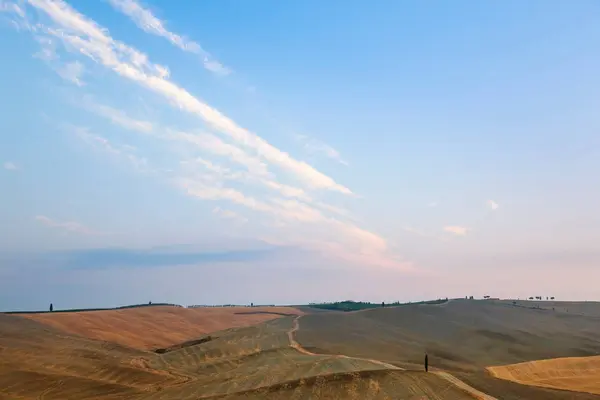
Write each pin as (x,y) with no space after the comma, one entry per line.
(157,326)
(162,353)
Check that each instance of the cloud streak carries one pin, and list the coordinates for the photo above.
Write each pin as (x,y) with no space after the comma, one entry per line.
(10,166)
(80,34)
(289,205)
(316,147)
(117,117)
(103,144)
(228,214)
(149,23)
(72,72)
(69,226)
(457,230)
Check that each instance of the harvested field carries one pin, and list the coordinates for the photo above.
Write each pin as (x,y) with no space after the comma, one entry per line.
(373,354)
(458,336)
(462,337)
(587,308)
(507,390)
(39,361)
(580,374)
(157,327)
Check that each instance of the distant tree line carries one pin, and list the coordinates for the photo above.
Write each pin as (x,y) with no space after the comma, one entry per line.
(231,305)
(52,308)
(350,305)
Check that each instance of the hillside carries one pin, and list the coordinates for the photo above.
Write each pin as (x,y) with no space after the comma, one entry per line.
(159,326)
(461,336)
(570,373)
(39,361)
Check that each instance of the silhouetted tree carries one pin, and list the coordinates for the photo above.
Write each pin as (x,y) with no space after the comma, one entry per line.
(382,304)
(150,303)
(426,363)
(251,304)
(531,298)
(51,307)
(552,298)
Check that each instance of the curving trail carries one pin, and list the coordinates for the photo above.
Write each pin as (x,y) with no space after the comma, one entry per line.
(442,374)
(462,385)
(299,348)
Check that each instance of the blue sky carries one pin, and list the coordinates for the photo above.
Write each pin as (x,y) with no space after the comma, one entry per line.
(285,152)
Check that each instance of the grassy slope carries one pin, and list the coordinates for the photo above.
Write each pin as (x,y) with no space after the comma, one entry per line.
(572,373)
(36,359)
(257,362)
(154,327)
(461,336)
(249,362)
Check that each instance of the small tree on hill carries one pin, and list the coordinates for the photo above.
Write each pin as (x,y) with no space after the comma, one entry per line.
(51,307)
(382,304)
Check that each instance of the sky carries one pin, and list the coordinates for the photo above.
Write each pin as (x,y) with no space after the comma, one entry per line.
(276,152)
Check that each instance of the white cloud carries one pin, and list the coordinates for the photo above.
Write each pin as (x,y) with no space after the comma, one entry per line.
(289,206)
(9,165)
(82,35)
(149,23)
(72,72)
(219,173)
(117,117)
(70,226)
(345,239)
(101,143)
(217,146)
(315,147)
(492,205)
(228,214)
(457,230)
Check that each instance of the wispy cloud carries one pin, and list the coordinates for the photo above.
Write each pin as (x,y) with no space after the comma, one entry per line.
(10,166)
(69,226)
(72,72)
(316,147)
(149,23)
(117,117)
(492,205)
(248,159)
(228,214)
(217,146)
(123,151)
(457,230)
(432,204)
(82,35)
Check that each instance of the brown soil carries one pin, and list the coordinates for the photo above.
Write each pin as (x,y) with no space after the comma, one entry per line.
(157,327)
(579,374)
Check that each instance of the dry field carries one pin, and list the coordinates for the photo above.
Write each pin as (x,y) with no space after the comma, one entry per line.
(159,326)
(372,354)
(579,374)
(462,337)
(39,361)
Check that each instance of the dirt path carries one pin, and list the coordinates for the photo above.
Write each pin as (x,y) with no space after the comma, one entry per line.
(460,384)
(299,348)
(442,374)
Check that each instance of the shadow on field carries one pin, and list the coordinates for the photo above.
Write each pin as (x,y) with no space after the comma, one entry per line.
(180,346)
